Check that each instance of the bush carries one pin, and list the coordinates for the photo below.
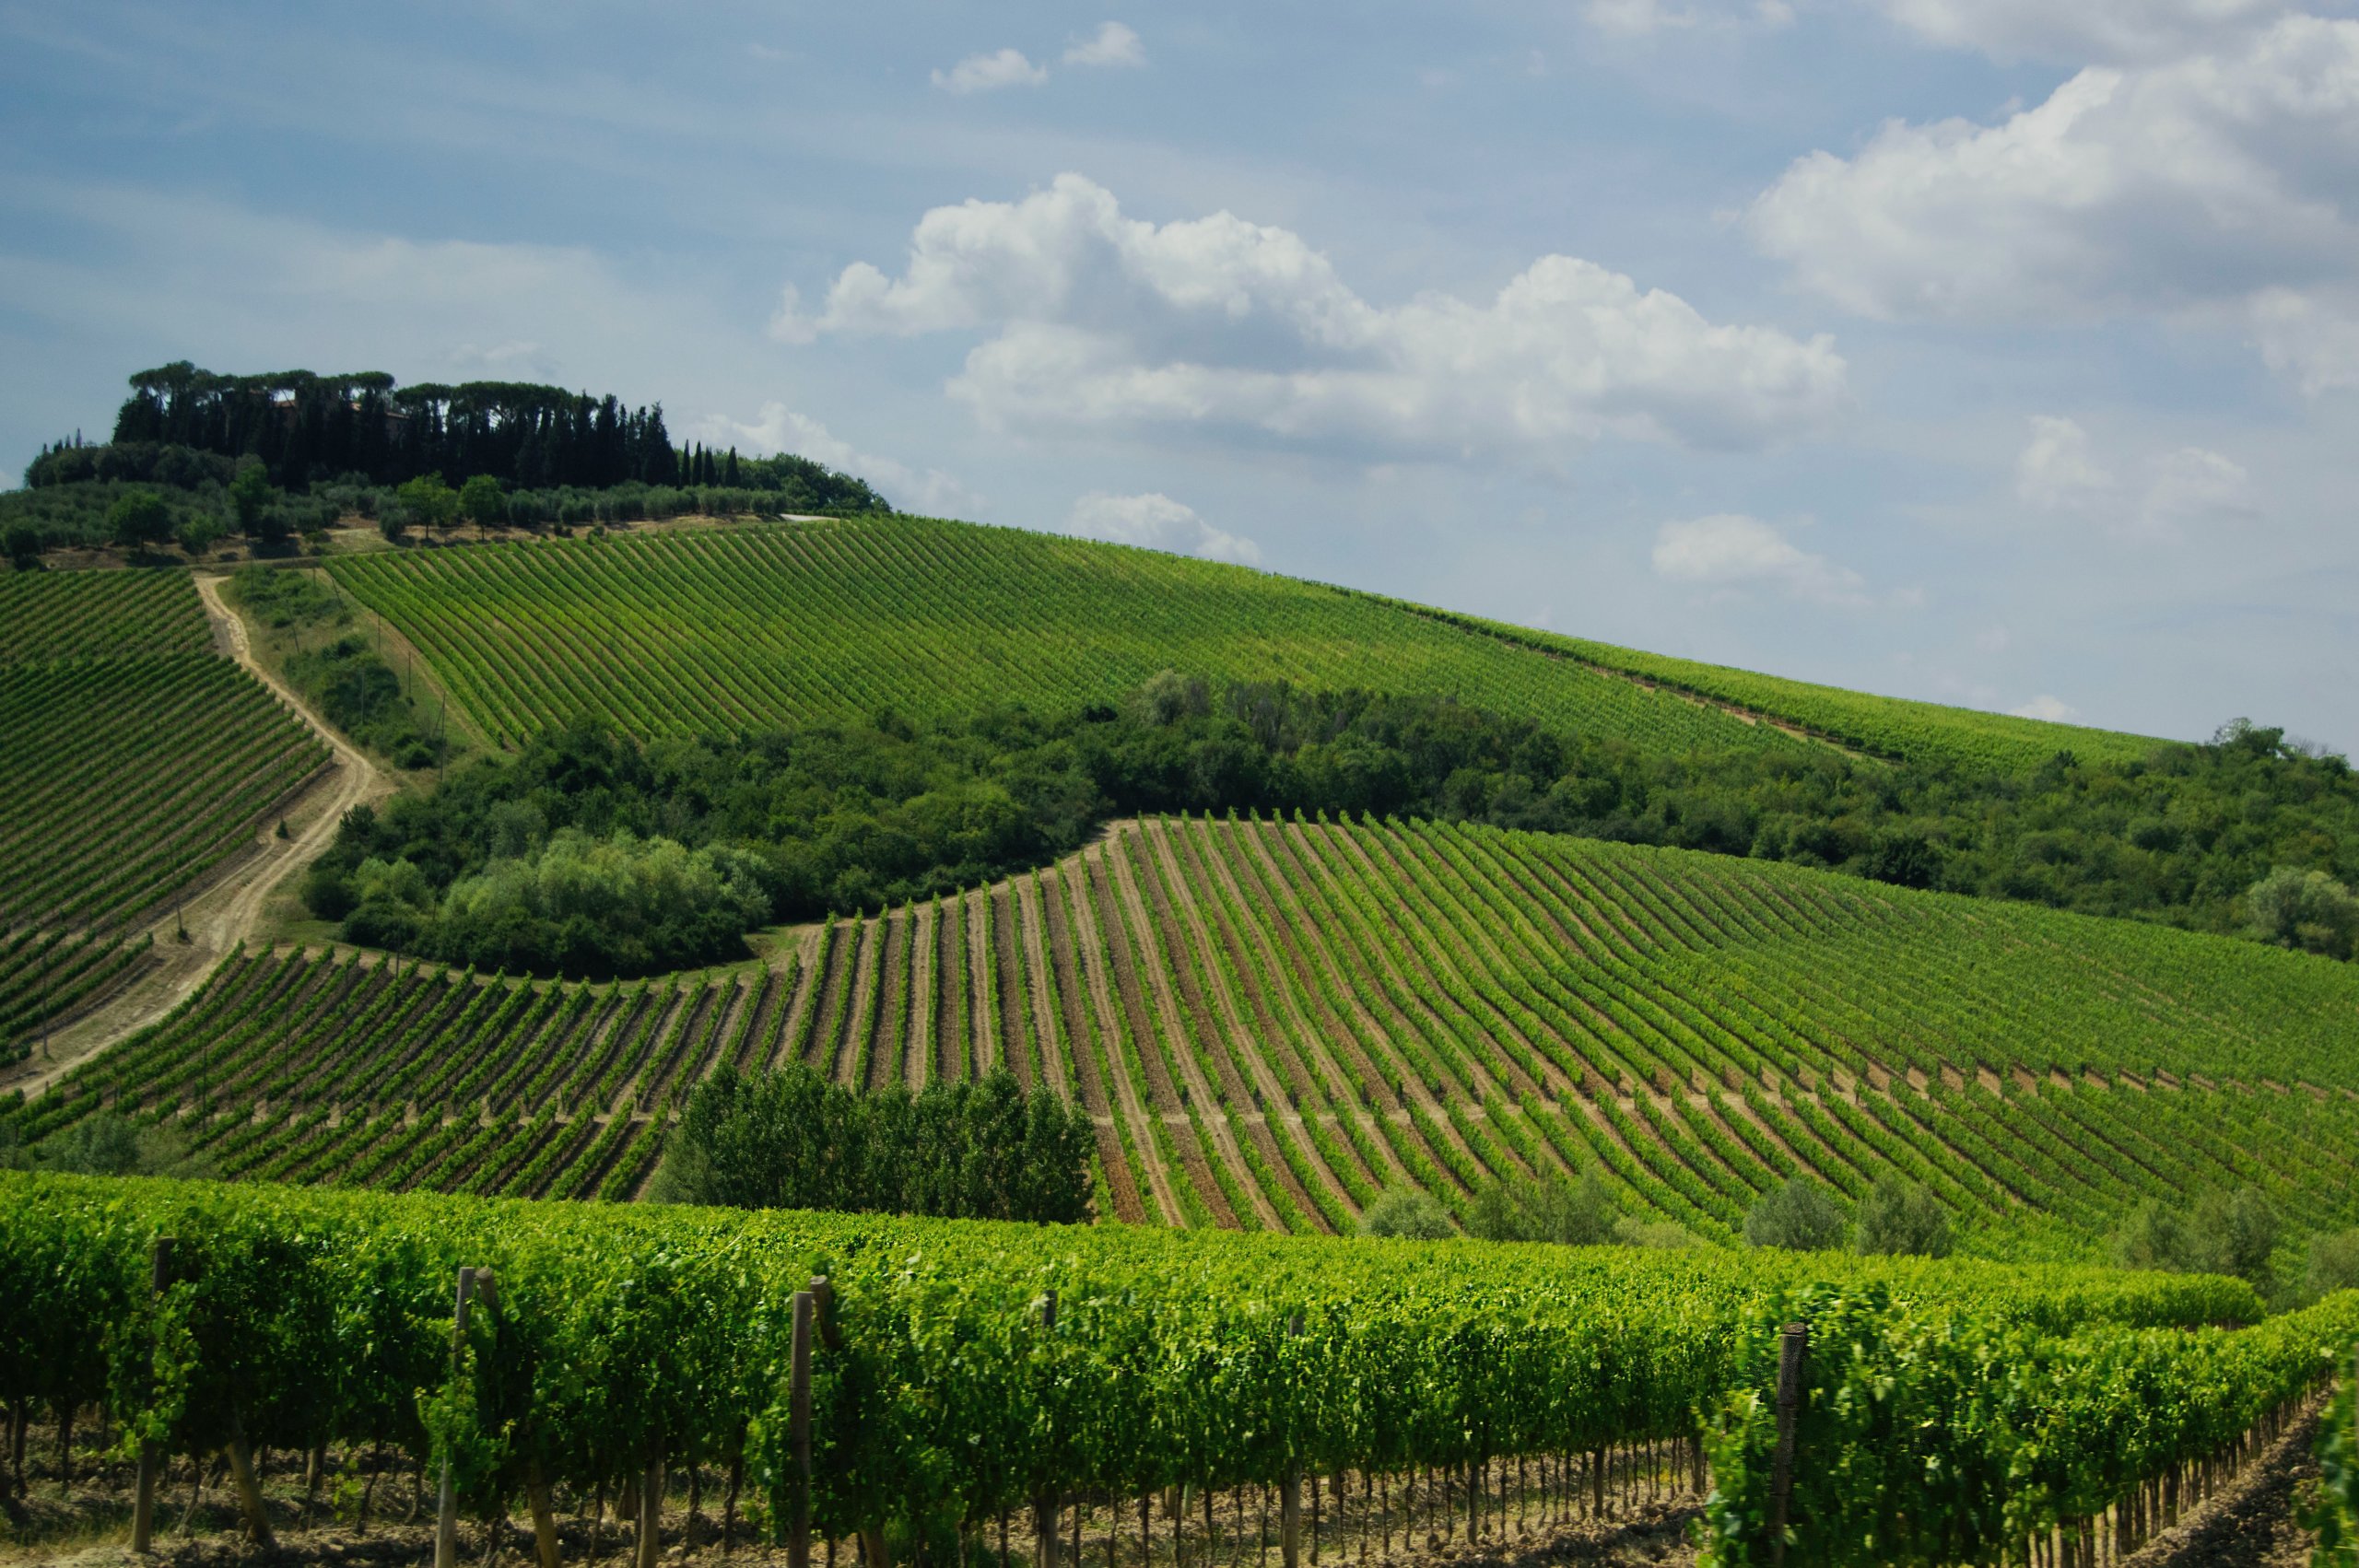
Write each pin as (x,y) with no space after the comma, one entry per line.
(328,894)
(1902,1219)
(1631,1231)
(24,542)
(108,1144)
(2334,1263)
(1800,1216)
(975,1149)
(138,518)
(1580,1213)
(1407,1213)
(2224,1233)
(200,533)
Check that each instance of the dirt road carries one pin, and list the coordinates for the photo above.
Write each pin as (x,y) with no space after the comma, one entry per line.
(228,908)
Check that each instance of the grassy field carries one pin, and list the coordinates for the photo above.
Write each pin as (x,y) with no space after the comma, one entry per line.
(718,630)
(1273,1022)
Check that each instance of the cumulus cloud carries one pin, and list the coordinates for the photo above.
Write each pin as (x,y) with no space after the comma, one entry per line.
(2055,710)
(1155,521)
(1730,550)
(778,428)
(989,73)
(2061,471)
(2083,31)
(2220,186)
(2057,471)
(1111,44)
(1095,319)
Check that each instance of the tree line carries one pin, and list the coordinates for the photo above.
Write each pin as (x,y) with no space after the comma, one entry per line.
(975,1149)
(2244,836)
(363,428)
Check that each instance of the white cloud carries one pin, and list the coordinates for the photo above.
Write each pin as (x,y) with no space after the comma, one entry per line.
(1640,19)
(988,73)
(1730,550)
(2193,484)
(2219,187)
(2055,710)
(1095,319)
(2081,31)
(2057,471)
(778,428)
(2060,470)
(1155,521)
(1112,44)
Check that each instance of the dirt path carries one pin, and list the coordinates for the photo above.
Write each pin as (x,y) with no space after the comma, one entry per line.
(2250,1522)
(228,908)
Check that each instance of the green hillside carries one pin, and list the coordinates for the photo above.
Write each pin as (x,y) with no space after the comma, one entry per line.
(786,624)
(1271,1022)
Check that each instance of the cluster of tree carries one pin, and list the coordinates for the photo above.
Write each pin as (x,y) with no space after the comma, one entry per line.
(977,1149)
(145,497)
(308,429)
(1581,1212)
(854,818)
(1896,1218)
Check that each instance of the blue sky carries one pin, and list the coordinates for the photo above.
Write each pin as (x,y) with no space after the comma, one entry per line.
(2002,353)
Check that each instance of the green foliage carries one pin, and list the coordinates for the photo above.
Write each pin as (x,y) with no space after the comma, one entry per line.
(2334,1510)
(111,1145)
(578,904)
(974,1149)
(284,600)
(1409,1213)
(801,626)
(1799,1216)
(2222,1232)
(2305,910)
(481,501)
(2333,1263)
(251,493)
(138,518)
(23,542)
(1572,1214)
(1937,1433)
(359,693)
(1902,1219)
(428,502)
(198,534)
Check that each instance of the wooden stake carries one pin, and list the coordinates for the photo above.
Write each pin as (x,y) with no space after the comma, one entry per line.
(446,1502)
(143,1508)
(241,1471)
(798,1404)
(1793,1342)
(1290,1492)
(1044,1505)
(650,1543)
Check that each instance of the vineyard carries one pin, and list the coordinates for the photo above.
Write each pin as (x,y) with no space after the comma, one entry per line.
(1271,1023)
(714,632)
(1921,731)
(949,1374)
(134,760)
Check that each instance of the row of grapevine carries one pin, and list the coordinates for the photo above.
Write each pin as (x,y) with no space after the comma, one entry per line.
(129,777)
(1271,1022)
(963,1369)
(46,617)
(1925,1433)
(716,631)
(1964,738)
(47,975)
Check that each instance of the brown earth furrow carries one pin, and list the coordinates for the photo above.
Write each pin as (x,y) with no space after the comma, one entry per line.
(844,1061)
(1007,967)
(1054,1069)
(1163,1096)
(1079,1066)
(1323,1076)
(950,990)
(917,1048)
(1246,1053)
(982,1052)
(1074,890)
(1217,1106)
(889,1039)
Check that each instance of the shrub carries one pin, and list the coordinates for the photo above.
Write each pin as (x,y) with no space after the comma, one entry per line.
(1800,1216)
(139,518)
(1580,1213)
(1407,1213)
(1902,1219)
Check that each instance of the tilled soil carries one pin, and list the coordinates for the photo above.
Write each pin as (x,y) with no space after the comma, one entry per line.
(2250,1524)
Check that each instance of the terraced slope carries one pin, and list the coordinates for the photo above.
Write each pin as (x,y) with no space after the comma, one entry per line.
(133,761)
(715,631)
(1272,1021)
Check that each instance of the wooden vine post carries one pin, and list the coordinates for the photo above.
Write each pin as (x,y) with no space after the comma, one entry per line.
(151,1456)
(1290,1490)
(1044,1505)
(1793,1341)
(446,1502)
(798,1426)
